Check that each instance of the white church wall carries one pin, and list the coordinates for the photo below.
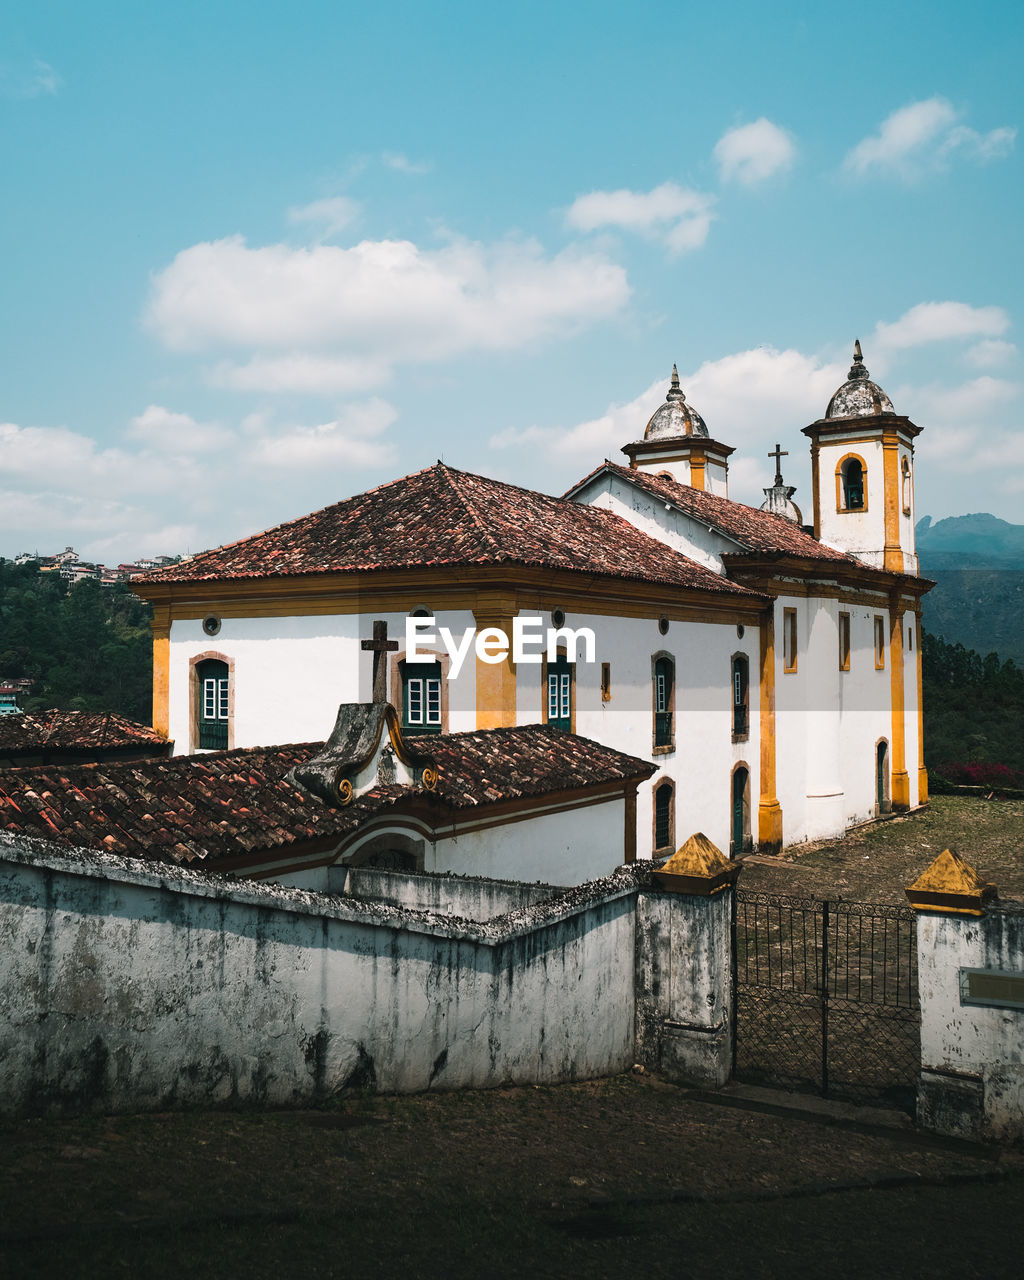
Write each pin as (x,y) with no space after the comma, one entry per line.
(291,674)
(564,848)
(862,533)
(681,532)
(128,988)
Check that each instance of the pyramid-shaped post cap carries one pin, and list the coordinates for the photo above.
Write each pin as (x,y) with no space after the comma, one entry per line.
(950,886)
(697,867)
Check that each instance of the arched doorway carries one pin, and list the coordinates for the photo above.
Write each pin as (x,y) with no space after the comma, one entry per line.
(739,827)
(882,801)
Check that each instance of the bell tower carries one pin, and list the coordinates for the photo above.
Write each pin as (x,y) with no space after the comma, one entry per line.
(676,442)
(862,464)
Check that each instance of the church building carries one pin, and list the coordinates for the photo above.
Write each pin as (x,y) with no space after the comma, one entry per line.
(762,674)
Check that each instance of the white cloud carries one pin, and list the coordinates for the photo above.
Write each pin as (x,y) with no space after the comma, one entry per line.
(329,216)
(990,353)
(22,82)
(748,400)
(402,164)
(937,321)
(679,217)
(308,374)
(388,298)
(170,432)
(962,406)
(754,152)
(922,136)
(351,439)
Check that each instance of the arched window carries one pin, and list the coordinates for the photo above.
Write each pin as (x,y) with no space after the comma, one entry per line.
(663,698)
(421,696)
(905,485)
(882,801)
(664,818)
(739,826)
(740,696)
(559,678)
(212,695)
(851,484)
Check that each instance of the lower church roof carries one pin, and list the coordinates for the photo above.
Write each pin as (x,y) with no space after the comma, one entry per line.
(219,807)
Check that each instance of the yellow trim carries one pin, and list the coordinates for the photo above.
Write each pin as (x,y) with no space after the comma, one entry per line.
(790,637)
(815,473)
(698,461)
(841,508)
(161,673)
(769,811)
(844,641)
(900,779)
(496,681)
(892,554)
(878,639)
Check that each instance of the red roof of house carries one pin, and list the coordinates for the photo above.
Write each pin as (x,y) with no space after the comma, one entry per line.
(227,804)
(441,516)
(73,731)
(758,531)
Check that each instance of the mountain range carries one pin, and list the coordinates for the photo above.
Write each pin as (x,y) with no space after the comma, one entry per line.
(977,563)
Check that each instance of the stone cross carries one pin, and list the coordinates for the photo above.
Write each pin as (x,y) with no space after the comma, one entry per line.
(778,454)
(379,646)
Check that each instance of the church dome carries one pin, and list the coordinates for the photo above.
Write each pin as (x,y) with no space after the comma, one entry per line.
(675,417)
(858,397)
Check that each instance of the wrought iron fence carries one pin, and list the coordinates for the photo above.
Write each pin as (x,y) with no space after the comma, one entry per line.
(826,996)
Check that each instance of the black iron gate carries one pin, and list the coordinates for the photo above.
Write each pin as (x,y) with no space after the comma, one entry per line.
(826,997)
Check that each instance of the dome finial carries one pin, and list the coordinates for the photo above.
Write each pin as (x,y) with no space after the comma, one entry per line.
(674,392)
(857,369)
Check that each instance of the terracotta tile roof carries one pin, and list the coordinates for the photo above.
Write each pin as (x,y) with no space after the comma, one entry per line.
(441,516)
(758,531)
(228,804)
(73,731)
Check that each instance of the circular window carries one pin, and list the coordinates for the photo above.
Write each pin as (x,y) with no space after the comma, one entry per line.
(421,613)
(211,625)
(558,617)
(663,625)
(739,630)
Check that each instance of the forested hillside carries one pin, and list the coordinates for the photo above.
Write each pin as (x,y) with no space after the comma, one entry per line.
(87,647)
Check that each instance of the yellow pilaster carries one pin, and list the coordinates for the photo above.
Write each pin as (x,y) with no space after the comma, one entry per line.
(814,488)
(769,811)
(697,465)
(161,628)
(496,681)
(900,778)
(893,554)
(922,772)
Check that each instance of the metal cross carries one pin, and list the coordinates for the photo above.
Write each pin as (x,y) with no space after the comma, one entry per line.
(379,646)
(778,454)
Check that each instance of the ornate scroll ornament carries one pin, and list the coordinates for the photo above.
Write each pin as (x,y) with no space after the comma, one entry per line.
(344,791)
(429,778)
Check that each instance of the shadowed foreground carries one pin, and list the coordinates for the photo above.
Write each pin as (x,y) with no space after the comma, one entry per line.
(615,1177)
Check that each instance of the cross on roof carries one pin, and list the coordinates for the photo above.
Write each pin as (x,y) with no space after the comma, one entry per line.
(778,454)
(379,646)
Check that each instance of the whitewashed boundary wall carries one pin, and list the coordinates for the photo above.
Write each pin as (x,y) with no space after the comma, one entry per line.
(972,1055)
(126,987)
(469,897)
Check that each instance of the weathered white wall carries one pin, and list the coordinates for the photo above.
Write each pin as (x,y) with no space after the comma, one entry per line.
(470,898)
(972,1056)
(129,987)
(566,847)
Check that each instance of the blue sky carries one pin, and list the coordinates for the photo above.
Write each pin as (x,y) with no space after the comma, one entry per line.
(258,258)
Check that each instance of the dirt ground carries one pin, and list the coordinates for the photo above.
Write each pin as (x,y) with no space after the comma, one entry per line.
(876,862)
(605,1178)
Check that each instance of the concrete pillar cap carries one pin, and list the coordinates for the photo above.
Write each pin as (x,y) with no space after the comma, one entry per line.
(697,867)
(950,886)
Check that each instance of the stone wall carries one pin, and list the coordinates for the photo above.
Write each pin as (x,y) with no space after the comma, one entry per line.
(127,986)
(972,1056)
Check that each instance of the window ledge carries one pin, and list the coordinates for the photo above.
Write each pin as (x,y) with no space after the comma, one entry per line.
(663,751)
(741,737)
